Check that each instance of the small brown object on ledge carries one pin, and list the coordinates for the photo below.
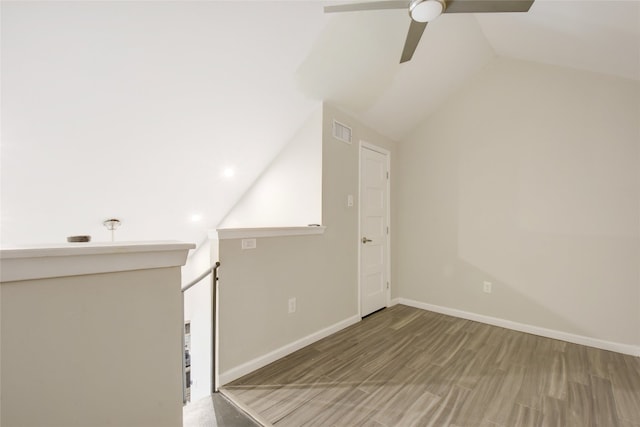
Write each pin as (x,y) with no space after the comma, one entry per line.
(78,239)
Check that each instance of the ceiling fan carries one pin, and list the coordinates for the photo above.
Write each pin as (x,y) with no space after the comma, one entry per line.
(424,11)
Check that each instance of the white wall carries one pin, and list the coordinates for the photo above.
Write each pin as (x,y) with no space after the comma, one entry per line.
(133,109)
(197,309)
(528,178)
(288,192)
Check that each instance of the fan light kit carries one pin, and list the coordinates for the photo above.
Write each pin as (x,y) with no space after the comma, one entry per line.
(425,11)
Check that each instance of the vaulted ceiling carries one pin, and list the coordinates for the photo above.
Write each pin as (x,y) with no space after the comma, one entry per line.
(135,110)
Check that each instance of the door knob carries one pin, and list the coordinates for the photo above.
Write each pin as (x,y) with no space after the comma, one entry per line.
(365,240)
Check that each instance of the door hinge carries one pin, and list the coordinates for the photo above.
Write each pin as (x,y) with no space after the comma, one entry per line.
(387,230)
(387,174)
(387,285)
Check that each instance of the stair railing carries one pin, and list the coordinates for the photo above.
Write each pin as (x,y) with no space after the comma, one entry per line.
(213,271)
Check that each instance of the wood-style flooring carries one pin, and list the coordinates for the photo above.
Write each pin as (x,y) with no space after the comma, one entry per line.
(409,367)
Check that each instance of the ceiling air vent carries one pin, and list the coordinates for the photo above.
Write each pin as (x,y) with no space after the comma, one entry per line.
(342,132)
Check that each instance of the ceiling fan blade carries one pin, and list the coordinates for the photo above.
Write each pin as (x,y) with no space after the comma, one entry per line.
(374,5)
(413,38)
(489,6)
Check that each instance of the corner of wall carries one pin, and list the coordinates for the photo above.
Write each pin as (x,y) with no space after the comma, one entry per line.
(275,199)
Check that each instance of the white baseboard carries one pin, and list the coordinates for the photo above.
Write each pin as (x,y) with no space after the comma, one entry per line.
(257,363)
(395,301)
(522,327)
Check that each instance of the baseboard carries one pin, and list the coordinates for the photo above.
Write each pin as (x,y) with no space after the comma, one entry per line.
(257,363)
(395,301)
(523,327)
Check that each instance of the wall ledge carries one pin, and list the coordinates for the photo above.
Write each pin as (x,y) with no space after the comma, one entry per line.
(75,259)
(245,233)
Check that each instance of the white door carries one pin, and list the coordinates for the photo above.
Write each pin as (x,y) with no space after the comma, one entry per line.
(374,223)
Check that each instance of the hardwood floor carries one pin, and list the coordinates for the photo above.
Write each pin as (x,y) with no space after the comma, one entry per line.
(409,367)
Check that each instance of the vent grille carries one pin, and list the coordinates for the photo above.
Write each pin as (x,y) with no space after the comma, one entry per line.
(342,132)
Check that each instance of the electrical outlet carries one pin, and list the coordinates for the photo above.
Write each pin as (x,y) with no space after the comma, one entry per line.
(486,287)
(292,305)
(248,243)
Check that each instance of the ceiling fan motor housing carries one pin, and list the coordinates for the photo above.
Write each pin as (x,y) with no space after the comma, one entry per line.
(426,10)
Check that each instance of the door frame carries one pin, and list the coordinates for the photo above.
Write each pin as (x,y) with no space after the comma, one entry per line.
(367,145)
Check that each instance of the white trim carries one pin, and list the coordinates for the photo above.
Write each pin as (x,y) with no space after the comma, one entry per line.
(75,259)
(216,355)
(530,329)
(387,154)
(245,408)
(257,363)
(395,301)
(244,233)
(375,148)
(359,254)
(90,248)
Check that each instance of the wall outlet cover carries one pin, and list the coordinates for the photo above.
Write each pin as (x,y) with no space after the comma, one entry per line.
(486,287)
(248,243)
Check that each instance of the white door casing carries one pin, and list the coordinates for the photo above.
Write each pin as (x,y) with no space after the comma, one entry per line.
(374,228)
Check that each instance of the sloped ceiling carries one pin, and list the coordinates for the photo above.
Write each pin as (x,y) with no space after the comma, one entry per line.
(597,36)
(134,109)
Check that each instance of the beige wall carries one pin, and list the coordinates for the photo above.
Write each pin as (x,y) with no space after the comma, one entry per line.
(320,271)
(255,286)
(99,350)
(340,179)
(528,178)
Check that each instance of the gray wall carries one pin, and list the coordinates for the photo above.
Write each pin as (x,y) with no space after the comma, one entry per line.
(529,178)
(254,289)
(320,271)
(340,178)
(95,349)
